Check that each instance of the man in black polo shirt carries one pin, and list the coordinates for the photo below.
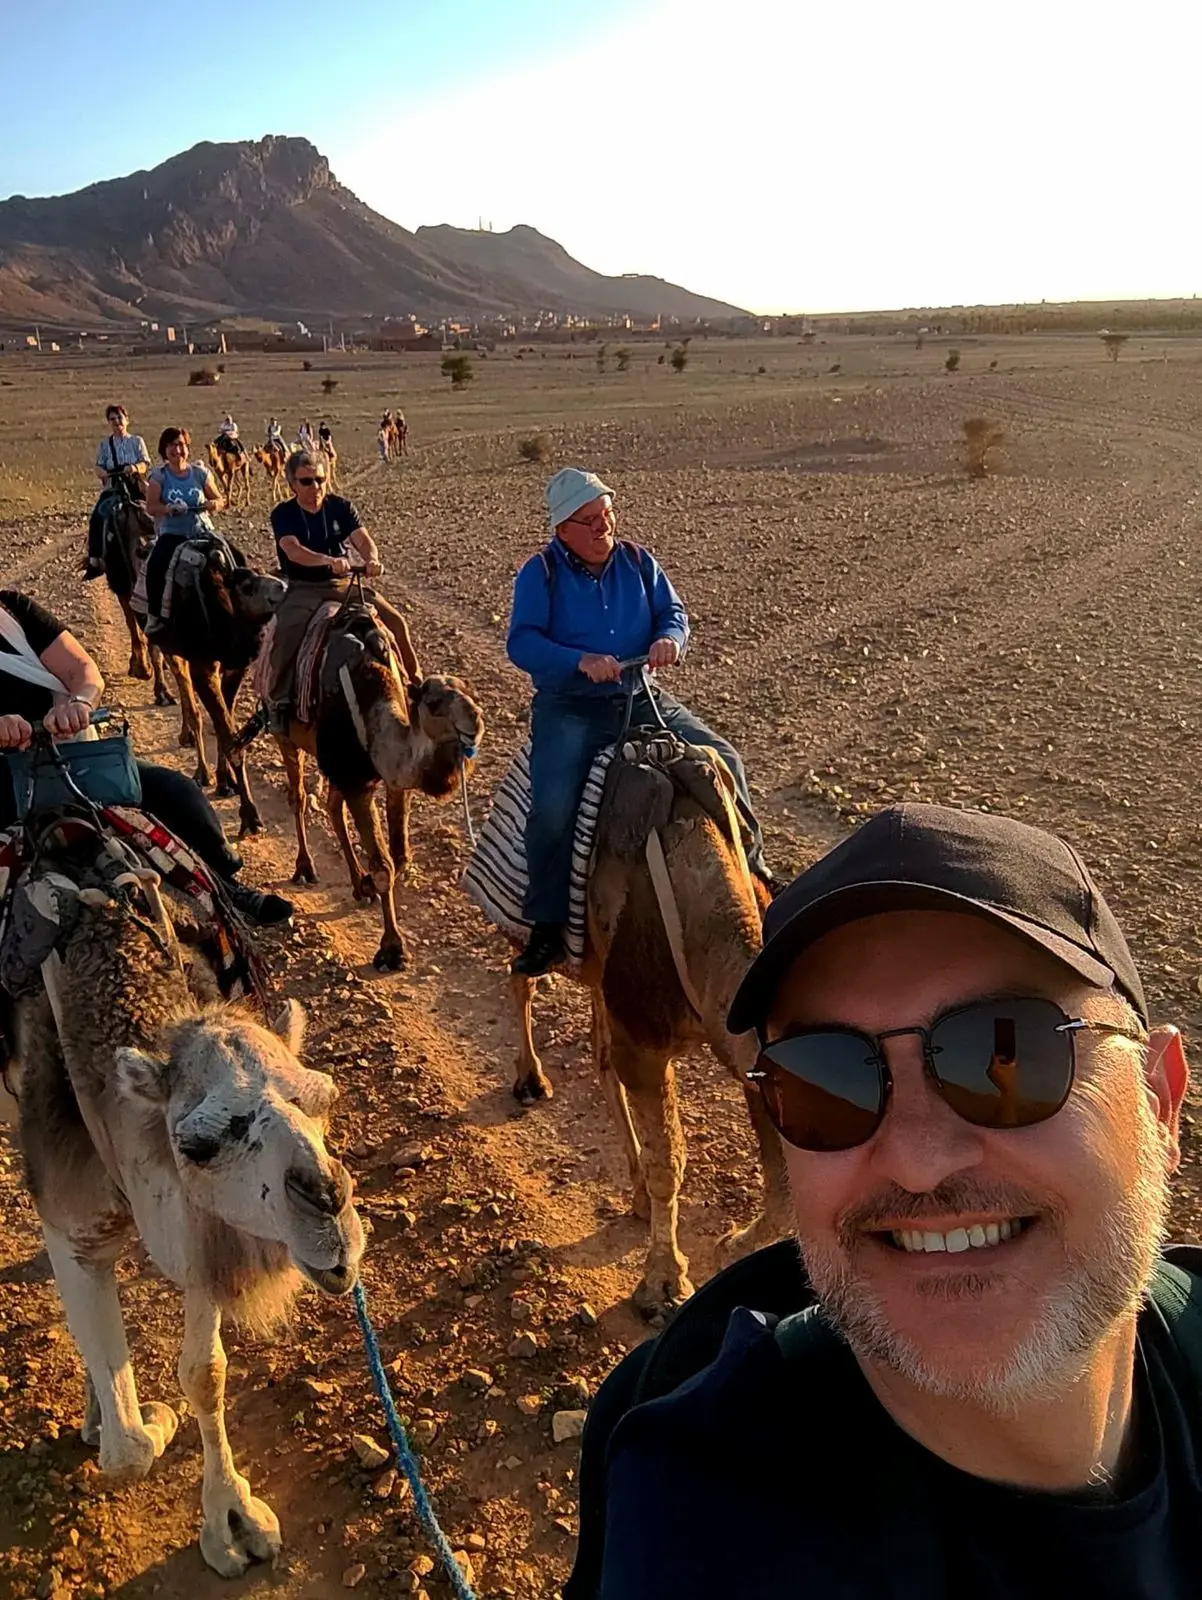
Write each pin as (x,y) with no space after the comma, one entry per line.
(315,534)
(997,1396)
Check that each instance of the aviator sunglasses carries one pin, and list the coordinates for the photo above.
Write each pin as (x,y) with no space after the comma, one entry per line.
(310,483)
(997,1064)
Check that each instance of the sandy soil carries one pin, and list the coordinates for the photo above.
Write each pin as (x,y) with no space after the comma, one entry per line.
(868,625)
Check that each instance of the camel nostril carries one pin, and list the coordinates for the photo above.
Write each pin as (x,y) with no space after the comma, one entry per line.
(314,1192)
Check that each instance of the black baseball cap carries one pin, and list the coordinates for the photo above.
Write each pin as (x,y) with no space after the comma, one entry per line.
(934,858)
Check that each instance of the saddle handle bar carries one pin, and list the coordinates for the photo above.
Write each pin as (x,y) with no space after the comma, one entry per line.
(633,683)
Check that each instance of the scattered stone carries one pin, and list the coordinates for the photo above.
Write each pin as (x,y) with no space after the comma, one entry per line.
(467,1277)
(424,1432)
(354,1575)
(318,1388)
(530,1404)
(369,1452)
(512,1463)
(49,1583)
(567,1425)
(520,1310)
(477,1380)
(423,1565)
(476,1541)
(384,1484)
(464,1562)
(411,1158)
(471,1301)
(573,1393)
(586,1315)
(524,1345)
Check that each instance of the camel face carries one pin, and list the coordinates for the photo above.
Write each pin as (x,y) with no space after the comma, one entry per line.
(257,595)
(445,710)
(246,1126)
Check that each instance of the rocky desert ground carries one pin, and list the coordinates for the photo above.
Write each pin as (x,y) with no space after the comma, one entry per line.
(868,624)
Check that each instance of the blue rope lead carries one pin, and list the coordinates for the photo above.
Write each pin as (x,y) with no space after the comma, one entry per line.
(406,1460)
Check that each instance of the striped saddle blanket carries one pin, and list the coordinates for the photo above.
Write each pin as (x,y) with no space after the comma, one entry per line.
(496,877)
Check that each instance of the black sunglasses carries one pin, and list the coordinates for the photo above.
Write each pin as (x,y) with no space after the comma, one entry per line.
(997,1064)
(308,483)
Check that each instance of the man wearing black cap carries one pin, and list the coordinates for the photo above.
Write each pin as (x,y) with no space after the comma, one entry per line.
(987,1381)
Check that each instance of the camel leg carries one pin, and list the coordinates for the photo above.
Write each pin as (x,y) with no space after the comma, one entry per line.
(238,1529)
(162,694)
(139,664)
(362,884)
(209,688)
(231,682)
(191,731)
(532,1082)
(391,955)
(777,1217)
(649,1078)
(131,1436)
(399,629)
(397,803)
(294,766)
(619,1106)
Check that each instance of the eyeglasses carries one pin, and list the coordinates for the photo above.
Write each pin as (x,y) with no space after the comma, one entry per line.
(309,483)
(595,524)
(997,1064)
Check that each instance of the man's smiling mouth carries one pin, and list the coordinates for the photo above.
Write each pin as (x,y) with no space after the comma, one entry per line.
(979,1236)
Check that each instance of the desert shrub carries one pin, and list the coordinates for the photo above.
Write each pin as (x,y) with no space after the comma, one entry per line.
(952,362)
(835,366)
(459,370)
(680,358)
(659,360)
(203,378)
(536,448)
(980,437)
(993,366)
(1114,342)
(761,369)
(623,360)
(328,385)
(602,357)
(308,366)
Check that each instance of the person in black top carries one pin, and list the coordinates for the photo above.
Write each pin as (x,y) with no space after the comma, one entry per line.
(979,1125)
(168,795)
(320,539)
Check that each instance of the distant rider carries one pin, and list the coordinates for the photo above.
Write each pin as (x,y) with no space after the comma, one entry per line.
(581,606)
(122,462)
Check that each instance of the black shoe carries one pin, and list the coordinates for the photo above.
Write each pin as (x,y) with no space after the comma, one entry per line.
(544,950)
(94,569)
(262,910)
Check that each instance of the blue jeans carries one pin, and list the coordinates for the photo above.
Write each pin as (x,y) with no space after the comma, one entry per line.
(568,731)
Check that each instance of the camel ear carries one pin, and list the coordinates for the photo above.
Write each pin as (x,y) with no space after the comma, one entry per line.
(141,1077)
(290,1026)
(318,1092)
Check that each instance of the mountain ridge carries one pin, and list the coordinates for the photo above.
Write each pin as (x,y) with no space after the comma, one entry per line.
(264,228)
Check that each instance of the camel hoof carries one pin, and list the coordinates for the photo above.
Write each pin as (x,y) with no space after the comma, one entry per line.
(202,777)
(225,790)
(530,1090)
(164,697)
(187,739)
(251,823)
(365,889)
(305,872)
(241,1533)
(660,1296)
(139,669)
(390,958)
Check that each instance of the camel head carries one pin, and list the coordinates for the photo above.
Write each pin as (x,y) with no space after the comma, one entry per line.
(246,1126)
(255,595)
(444,711)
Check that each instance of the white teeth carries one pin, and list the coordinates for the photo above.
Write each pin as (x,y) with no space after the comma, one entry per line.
(978,1237)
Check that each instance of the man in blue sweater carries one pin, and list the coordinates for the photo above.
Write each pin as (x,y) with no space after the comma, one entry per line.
(581,606)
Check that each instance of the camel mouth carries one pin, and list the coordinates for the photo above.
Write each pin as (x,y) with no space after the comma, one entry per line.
(334,1281)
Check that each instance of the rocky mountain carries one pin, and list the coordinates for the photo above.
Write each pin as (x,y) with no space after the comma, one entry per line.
(265,229)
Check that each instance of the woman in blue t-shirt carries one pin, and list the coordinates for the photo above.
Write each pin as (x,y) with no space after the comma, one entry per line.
(180,495)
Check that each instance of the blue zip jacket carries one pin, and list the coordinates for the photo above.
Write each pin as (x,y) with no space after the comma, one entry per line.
(562,612)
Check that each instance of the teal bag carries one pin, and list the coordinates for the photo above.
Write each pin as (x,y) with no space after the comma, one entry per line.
(103,771)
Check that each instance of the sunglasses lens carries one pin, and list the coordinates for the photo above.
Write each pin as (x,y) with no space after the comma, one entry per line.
(824,1091)
(1002,1064)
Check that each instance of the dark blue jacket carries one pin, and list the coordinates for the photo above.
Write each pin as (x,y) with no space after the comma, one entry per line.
(562,612)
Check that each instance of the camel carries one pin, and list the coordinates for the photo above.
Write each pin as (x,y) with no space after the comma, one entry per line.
(331,456)
(195,1128)
(372,726)
(272,460)
(231,468)
(131,532)
(211,638)
(400,434)
(662,963)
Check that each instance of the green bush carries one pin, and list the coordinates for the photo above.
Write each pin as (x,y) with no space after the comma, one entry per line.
(459,370)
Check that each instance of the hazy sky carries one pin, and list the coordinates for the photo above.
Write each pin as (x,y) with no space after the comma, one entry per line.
(773,153)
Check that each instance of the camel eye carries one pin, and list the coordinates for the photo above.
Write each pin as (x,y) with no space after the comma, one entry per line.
(199,1150)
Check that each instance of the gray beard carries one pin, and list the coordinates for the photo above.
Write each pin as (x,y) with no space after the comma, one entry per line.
(1102,1285)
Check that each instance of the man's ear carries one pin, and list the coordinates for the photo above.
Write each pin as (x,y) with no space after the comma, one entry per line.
(1168,1079)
